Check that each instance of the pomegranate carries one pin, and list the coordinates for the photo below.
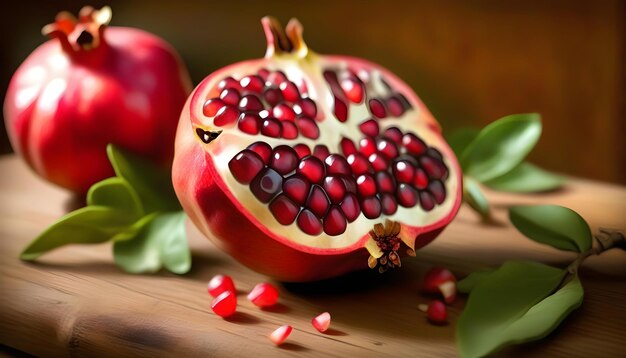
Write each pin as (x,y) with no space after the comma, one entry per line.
(304,167)
(91,85)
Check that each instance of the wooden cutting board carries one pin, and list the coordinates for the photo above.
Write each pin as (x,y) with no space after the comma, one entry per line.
(75,301)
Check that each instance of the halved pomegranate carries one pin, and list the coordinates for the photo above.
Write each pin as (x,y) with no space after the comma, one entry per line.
(302,166)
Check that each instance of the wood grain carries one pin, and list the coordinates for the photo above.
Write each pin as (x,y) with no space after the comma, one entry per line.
(76,302)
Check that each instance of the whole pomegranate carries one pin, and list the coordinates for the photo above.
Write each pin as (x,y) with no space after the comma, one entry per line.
(304,166)
(89,86)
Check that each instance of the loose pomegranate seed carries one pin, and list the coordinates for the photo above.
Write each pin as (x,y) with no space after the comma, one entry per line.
(277,77)
(211,106)
(359,164)
(290,131)
(271,127)
(263,295)
(289,91)
(387,148)
(219,284)
(336,164)
(385,182)
(403,171)
(263,150)
(334,222)
(353,90)
(366,185)
(279,336)
(283,112)
(413,144)
(407,196)
(335,188)
(249,123)
(321,152)
(226,116)
(347,146)
(367,146)
(306,107)
(284,159)
(379,163)
(272,95)
(225,304)
(426,201)
(371,207)
(437,313)
(420,180)
(312,169)
(252,83)
(308,127)
(309,223)
(297,188)
(251,103)
(438,191)
(284,210)
(245,166)
(266,185)
(377,108)
(302,150)
(395,106)
(389,204)
(433,167)
(228,82)
(370,128)
(350,207)
(440,280)
(318,201)
(394,134)
(230,96)
(321,322)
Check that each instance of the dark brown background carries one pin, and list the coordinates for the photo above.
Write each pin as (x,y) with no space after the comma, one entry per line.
(471,62)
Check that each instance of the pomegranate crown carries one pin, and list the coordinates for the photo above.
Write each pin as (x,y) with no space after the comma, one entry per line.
(287,41)
(82,34)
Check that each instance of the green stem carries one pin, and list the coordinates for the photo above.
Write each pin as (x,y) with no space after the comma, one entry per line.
(607,239)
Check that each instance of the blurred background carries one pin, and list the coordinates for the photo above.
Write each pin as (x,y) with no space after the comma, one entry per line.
(470,62)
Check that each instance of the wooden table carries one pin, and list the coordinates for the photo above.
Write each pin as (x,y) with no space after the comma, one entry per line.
(75,301)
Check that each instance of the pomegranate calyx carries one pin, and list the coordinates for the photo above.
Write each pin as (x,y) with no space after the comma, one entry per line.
(388,241)
(79,35)
(287,41)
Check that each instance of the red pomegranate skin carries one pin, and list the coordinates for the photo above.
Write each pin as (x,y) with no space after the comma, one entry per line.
(65,103)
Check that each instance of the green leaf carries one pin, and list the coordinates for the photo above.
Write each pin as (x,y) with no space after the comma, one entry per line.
(152,184)
(552,225)
(474,197)
(88,225)
(501,146)
(516,303)
(526,178)
(116,193)
(161,241)
(461,138)
(467,284)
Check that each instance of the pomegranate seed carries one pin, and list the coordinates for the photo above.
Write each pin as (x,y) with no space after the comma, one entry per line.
(284,210)
(407,196)
(366,185)
(370,128)
(252,83)
(387,148)
(350,207)
(438,191)
(334,222)
(219,284)
(245,166)
(437,313)
(297,188)
(321,322)
(413,144)
(250,102)
(263,73)
(302,150)
(309,223)
(433,167)
(321,152)
(318,201)
(379,163)
(395,106)
(279,336)
(377,108)
(385,182)
(389,204)
(312,169)
(266,185)
(335,188)
(440,280)
(367,146)
(359,164)
(263,150)
(249,123)
(353,90)
(230,96)
(371,207)
(211,107)
(283,112)
(264,114)
(271,127)
(225,304)
(289,91)
(290,131)
(347,146)
(420,180)
(432,152)
(277,77)
(350,183)
(426,201)
(263,295)
(272,95)
(228,82)
(394,134)
(284,159)
(308,127)
(226,116)
(403,171)
(340,110)
(306,107)
(336,164)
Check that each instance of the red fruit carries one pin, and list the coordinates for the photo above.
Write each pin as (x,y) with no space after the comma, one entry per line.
(279,336)
(225,304)
(219,284)
(324,217)
(437,313)
(321,322)
(263,295)
(91,85)
(440,280)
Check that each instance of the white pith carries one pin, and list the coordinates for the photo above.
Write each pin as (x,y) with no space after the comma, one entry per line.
(231,141)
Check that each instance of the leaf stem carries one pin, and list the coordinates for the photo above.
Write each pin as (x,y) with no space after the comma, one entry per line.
(607,239)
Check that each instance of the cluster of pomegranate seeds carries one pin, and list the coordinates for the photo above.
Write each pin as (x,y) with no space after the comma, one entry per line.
(266,103)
